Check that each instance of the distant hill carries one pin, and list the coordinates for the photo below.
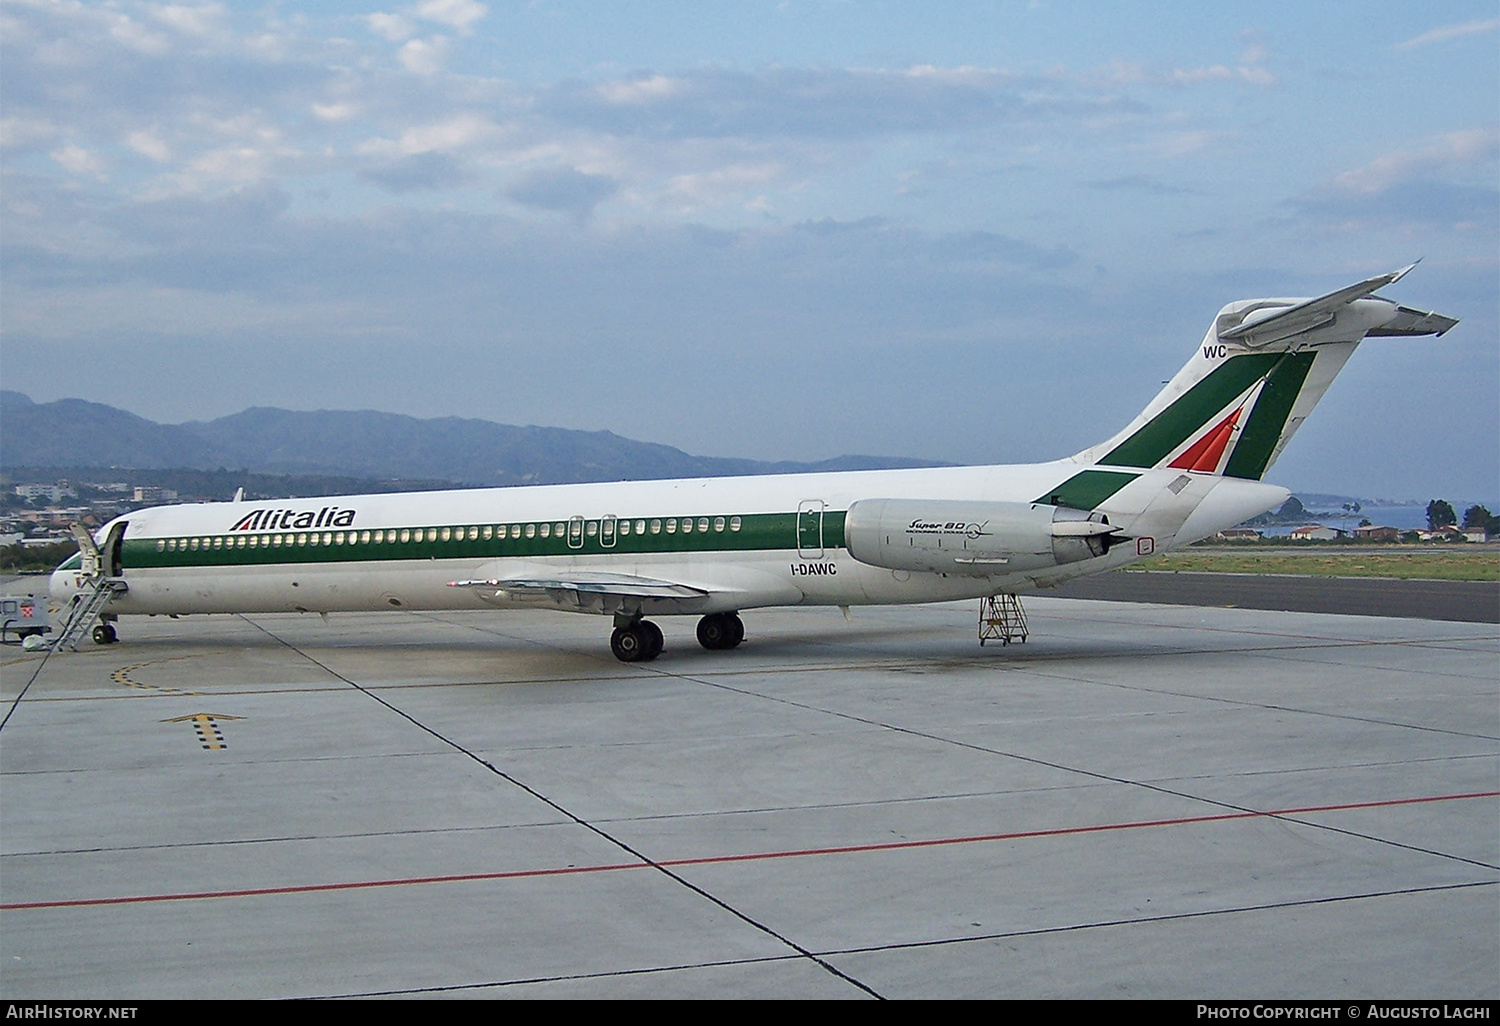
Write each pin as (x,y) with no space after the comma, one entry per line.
(74,433)
(361,443)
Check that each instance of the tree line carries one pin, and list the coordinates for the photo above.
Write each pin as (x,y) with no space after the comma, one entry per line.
(1440,514)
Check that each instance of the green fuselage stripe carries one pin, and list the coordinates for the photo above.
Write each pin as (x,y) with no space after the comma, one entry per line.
(1160,436)
(1087,489)
(763,531)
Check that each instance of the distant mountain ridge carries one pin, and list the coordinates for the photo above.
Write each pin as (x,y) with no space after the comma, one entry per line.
(363,443)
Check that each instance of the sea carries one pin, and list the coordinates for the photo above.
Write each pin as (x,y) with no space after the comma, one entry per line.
(1405,516)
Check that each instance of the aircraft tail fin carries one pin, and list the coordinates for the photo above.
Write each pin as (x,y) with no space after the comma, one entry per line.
(1258,373)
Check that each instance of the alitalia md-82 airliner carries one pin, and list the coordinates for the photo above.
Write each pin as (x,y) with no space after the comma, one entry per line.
(1189,465)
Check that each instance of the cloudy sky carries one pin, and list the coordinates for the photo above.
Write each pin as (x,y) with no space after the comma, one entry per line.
(975,232)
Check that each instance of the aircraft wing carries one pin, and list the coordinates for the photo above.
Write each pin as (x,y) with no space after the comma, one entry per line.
(1263,327)
(624,586)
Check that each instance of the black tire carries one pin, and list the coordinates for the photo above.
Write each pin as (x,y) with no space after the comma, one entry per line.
(720,631)
(713,632)
(629,644)
(104,634)
(654,640)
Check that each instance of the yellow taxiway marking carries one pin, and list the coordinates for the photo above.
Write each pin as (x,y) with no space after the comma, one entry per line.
(122,676)
(207,727)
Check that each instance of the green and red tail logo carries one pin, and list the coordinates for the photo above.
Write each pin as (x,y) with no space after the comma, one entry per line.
(1229,422)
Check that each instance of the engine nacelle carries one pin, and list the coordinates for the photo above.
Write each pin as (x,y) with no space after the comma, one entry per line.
(977,538)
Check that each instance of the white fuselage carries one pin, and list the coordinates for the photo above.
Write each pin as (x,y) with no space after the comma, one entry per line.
(742,542)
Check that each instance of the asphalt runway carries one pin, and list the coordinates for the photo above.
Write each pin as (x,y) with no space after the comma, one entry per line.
(1153,801)
(1465,601)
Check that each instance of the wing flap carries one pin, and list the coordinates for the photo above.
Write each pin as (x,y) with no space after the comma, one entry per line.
(621,586)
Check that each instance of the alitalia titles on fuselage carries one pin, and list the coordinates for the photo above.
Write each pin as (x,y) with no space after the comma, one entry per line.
(293,519)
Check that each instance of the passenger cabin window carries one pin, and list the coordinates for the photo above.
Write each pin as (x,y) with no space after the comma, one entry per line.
(734,523)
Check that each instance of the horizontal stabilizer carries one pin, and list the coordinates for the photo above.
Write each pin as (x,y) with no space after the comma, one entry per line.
(1263,326)
(1415,322)
(1258,373)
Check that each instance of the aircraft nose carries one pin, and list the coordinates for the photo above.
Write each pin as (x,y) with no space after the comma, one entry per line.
(60,586)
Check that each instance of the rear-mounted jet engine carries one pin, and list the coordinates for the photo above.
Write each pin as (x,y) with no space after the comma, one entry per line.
(975,538)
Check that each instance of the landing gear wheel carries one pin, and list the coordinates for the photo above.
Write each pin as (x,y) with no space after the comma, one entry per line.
(653,636)
(719,631)
(638,643)
(104,634)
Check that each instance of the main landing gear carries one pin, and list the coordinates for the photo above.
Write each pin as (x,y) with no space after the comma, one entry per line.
(636,642)
(639,641)
(718,631)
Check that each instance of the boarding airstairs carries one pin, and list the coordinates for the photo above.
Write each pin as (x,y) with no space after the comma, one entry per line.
(96,587)
(1002,619)
(90,601)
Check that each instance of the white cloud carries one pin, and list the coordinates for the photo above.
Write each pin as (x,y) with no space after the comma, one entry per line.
(23,131)
(136,36)
(393,27)
(1250,71)
(1447,32)
(686,193)
(424,56)
(334,111)
(149,144)
(1450,150)
(458,14)
(455,133)
(642,90)
(79,160)
(204,20)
